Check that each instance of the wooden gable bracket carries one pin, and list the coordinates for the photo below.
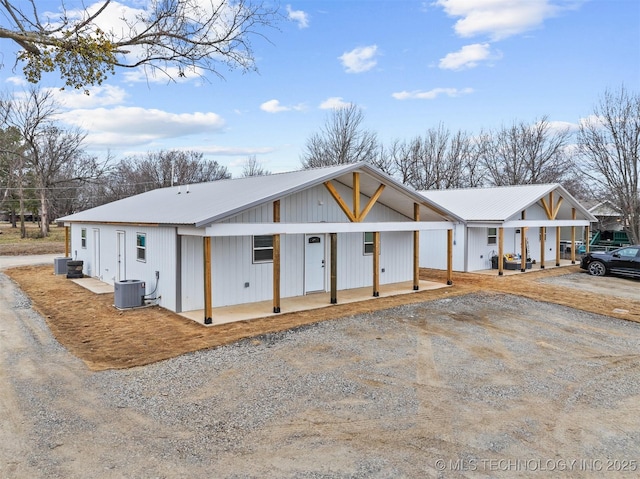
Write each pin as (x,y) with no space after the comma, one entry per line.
(355,216)
(550,209)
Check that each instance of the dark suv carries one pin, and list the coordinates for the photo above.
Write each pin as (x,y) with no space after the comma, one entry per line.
(625,261)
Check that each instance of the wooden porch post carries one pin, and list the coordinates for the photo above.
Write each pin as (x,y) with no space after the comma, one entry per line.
(500,251)
(208,311)
(276,259)
(376,264)
(67,247)
(334,267)
(543,233)
(573,237)
(587,239)
(416,249)
(523,246)
(557,246)
(449,257)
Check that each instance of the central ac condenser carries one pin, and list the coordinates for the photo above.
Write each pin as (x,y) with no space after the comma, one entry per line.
(129,293)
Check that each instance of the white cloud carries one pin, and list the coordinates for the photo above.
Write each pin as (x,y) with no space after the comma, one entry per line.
(274,106)
(468,57)
(359,59)
(558,126)
(107,95)
(500,19)
(298,16)
(431,94)
(17,81)
(334,103)
(119,126)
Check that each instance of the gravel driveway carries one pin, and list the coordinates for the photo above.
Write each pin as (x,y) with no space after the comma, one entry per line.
(482,385)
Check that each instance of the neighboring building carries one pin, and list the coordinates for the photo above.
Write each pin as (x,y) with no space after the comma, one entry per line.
(609,218)
(493,221)
(261,238)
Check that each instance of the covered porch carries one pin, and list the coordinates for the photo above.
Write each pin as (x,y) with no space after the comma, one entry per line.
(248,311)
(535,267)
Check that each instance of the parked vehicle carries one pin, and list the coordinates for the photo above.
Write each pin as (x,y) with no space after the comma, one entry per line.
(624,261)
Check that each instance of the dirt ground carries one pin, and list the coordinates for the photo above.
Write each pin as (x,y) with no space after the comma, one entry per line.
(104,338)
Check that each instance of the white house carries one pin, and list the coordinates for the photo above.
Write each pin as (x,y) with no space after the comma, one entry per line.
(494,220)
(261,238)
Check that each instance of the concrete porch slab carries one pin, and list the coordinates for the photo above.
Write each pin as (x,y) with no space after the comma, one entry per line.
(536,267)
(94,285)
(263,309)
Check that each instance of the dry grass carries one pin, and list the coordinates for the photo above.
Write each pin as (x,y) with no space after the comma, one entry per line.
(12,245)
(105,338)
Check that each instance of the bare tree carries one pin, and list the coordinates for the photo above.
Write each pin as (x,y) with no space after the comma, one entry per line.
(526,154)
(438,160)
(46,151)
(610,144)
(342,140)
(251,167)
(87,44)
(137,174)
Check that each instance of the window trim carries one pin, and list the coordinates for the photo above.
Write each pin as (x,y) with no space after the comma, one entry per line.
(492,236)
(366,243)
(83,238)
(261,248)
(142,248)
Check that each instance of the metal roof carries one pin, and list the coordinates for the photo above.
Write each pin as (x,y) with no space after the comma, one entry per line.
(502,203)
(205,203)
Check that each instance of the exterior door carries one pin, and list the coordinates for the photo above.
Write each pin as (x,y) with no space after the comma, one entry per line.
(96,252)
(121,257)
(314,263)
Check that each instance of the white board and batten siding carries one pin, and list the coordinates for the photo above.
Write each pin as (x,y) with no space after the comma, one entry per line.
(100,256)
(237,279)
(434,247)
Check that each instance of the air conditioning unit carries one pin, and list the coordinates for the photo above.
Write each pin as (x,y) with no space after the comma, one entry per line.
(60,265)
(129,293)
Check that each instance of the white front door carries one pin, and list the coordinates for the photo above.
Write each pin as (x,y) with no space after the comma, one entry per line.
(96,252)
(314,263)
(121,257)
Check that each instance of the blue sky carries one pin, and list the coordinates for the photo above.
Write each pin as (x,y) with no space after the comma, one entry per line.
(410,66)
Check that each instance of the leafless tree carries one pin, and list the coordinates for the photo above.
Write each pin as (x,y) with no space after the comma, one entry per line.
(251,167)
(342,140)
(137,174)
(49,156)
(88,43)
(610,144)
(526,154)
(437,160)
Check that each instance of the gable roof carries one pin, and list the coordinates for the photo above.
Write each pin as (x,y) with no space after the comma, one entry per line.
(498,204)
(205,203)
(604,208)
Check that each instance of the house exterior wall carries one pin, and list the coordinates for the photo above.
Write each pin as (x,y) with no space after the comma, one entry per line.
(474,244)
(433,248)
(232,257)
(160,256)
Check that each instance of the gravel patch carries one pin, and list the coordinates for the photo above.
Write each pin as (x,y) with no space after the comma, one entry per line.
(378,395)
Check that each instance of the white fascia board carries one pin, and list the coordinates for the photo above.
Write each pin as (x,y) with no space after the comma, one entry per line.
(191,231)
(545,223)
(250,229)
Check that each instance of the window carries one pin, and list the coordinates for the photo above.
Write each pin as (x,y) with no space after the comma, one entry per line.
(628,252)
(83,236)
(492,235)
(141,247)
(368,243)
(263,249)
